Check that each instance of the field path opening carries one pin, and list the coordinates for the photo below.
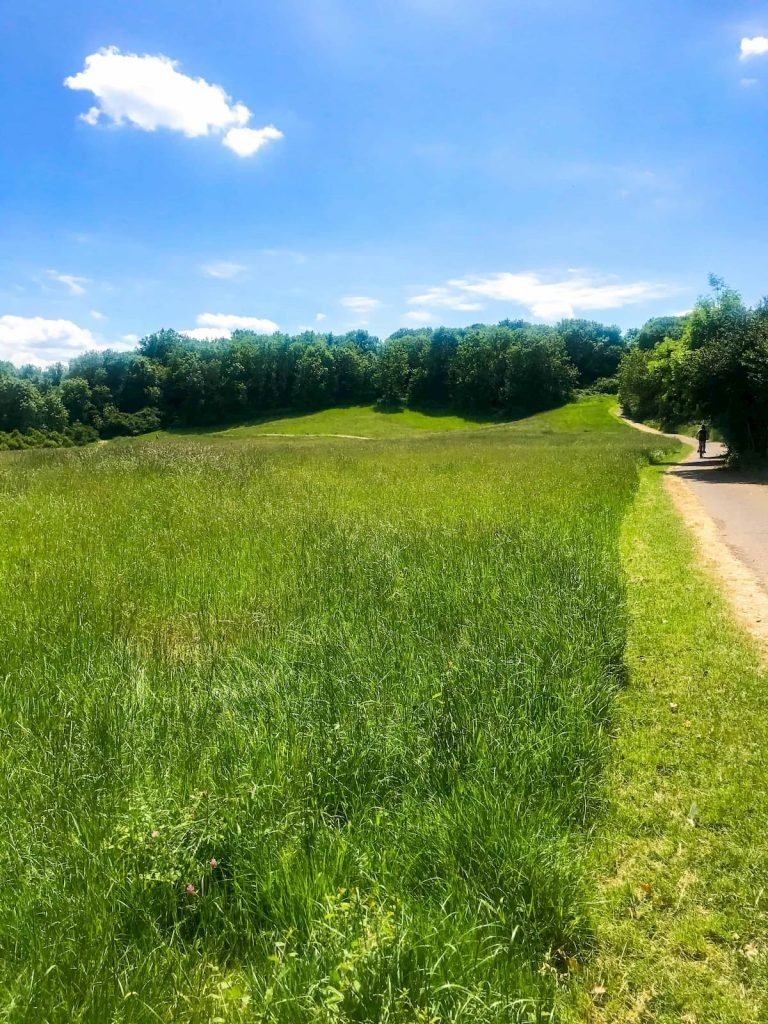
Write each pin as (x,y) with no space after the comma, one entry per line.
(727,511)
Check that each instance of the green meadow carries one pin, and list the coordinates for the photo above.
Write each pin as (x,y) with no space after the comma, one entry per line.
(309,728)
(356,421)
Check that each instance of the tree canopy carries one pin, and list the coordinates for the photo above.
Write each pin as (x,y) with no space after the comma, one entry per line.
(713,367)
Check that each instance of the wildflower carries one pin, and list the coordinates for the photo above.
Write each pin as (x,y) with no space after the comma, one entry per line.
(213,862)
(155,834)
(191,890)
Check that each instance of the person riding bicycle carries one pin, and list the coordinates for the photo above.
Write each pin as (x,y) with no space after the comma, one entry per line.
(702,436)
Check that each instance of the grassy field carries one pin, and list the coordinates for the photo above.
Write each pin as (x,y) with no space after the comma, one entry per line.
(356,421)
(308,729)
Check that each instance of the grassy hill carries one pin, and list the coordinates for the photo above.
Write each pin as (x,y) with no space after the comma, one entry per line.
(355,421)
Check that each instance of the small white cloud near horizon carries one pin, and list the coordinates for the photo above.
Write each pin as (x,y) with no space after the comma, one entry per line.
(130,339)
(97,315)
(420,317)
(149,92)
(75,285)
(223,270)
(211,326)
(319,317)
(757,46)
(557,299)
(37,340)
(360,304)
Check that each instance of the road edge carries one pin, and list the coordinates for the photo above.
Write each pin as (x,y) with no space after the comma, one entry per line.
(746,597)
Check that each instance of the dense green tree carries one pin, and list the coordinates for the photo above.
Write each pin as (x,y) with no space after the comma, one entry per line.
(717,369)
(76,396)
(656,330)
(21,404)
(314,377)
(393,373)
(594,349)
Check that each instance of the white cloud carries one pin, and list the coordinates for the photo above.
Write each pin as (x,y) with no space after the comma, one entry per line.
(97,315)
(319,317)
(221,325)
(36,340)
(446,298)
(419,316)
(360,304)
(130,339)
(551,300)
(150,92)
(223,269)
(247,141)
(755,47)
(76,285)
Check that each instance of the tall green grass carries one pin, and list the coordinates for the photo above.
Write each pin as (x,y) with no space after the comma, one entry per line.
(305,730)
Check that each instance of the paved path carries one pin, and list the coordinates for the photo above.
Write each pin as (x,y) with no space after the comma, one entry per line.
(737,502)
(728,513)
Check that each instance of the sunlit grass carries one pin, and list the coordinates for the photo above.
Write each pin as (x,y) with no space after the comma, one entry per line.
(681,925)
(299,729)
(357,420)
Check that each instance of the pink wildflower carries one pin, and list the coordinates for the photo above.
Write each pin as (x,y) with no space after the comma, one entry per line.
(191,890)
(155,834)
(213,862)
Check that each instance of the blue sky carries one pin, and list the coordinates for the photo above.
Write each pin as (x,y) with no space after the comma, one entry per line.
(379,163)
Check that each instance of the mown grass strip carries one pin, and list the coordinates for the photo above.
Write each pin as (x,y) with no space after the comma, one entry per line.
(682,922)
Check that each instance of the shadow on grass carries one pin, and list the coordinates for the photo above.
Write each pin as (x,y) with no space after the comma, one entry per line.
(441,411)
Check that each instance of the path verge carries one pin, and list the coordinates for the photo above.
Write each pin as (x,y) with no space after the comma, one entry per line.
(681,918)
(729,523)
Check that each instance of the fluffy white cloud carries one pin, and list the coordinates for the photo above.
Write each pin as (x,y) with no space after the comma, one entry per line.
(360,304)
(755,47)
(76,285)
(33,339)
(223,270)
(551,300)
(419,316)
(97,315)
(150,92)
(130,339)
(247,141)
(319,317)
(446,298)
(221,325)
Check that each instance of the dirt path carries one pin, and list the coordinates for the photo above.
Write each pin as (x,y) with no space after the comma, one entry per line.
(348,437)
(727,512)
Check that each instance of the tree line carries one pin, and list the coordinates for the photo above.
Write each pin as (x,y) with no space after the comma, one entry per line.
(172,380)
(711,363)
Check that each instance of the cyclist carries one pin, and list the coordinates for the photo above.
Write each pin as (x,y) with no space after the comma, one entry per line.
(702,436)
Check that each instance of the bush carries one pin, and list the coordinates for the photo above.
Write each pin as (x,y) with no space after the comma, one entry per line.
(129,424)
